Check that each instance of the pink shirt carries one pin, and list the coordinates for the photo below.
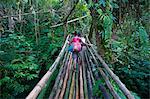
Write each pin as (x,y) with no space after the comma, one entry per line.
(77,43)
(76,39)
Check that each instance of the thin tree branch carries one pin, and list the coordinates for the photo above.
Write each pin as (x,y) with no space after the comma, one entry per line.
(24,14)
(68,22)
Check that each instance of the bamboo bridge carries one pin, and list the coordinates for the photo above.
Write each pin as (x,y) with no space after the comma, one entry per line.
(70,84)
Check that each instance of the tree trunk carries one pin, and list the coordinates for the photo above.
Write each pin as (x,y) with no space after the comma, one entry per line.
(120,5)
(65,30)
(94,35)
(138,12)
(11,22)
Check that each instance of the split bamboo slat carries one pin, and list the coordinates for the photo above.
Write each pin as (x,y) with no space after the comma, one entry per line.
(115,78)
(37,89)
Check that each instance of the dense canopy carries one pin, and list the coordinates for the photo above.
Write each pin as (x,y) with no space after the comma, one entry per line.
(32,33)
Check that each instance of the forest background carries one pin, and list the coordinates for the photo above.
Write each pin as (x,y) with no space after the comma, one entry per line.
(29,45)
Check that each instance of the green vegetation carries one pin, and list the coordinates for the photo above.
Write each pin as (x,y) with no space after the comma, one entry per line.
(29,46)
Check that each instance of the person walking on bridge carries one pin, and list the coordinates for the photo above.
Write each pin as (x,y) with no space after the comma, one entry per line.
(75,47)
(77,44)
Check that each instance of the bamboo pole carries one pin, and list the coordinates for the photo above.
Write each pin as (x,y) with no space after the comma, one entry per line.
(58,77)
(45,89)
(102,88)
(84,76)
(77,84)
(90,92)
(113,92)
(68,86)
(89,78)
(74,92)
(62,78)
(111,88)
(37,89)
(115,78)
(72,87)
(81,83)
(90,71)
(65,80)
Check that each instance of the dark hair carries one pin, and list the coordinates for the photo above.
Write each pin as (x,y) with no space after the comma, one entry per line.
(79,34)
(75,33)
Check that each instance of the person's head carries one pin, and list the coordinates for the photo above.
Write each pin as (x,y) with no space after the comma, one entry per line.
(75,33)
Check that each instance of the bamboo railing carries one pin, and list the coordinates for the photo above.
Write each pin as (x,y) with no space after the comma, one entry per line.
(37,89)
(115,78)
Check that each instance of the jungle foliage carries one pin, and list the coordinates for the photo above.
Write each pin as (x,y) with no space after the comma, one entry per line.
(28,45)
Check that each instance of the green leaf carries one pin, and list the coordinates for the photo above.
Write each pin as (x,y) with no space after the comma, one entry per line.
(143,35)
(53,51)
(103,2)
(25,1)
(114,5)
(31,76)
(124,1)
(45,30)
(100,12)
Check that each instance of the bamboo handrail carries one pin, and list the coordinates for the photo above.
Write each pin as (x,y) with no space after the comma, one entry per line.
(37,89)
(111,88)
(109,85)
(115,78)
(101,86)
(90,71)
(89,77)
